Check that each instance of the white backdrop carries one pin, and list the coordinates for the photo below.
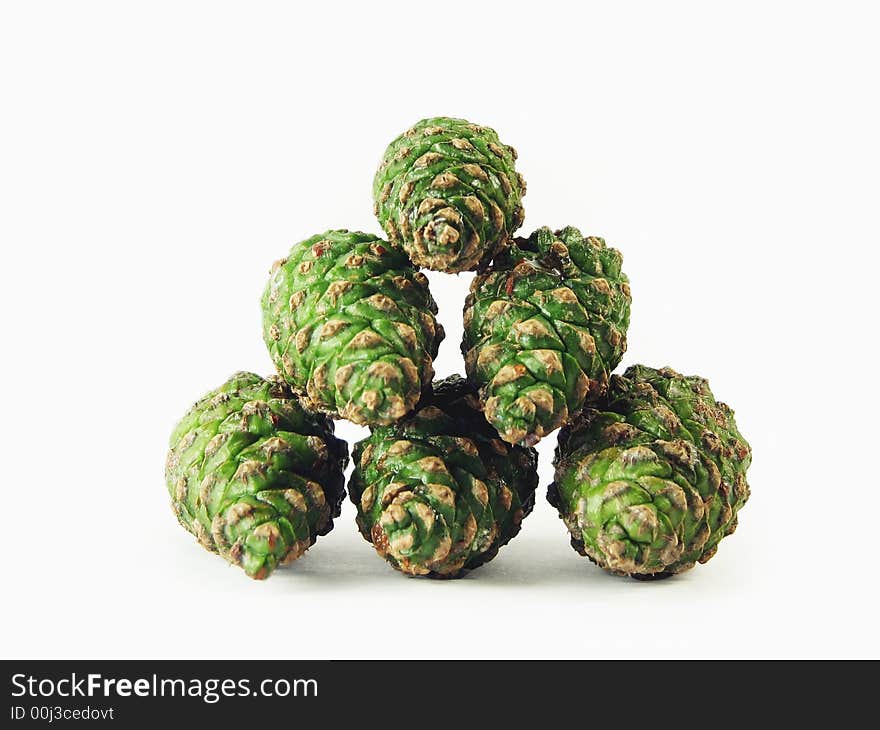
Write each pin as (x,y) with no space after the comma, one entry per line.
(155,158)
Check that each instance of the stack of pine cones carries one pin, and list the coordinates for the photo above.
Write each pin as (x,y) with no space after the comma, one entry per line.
(650,468)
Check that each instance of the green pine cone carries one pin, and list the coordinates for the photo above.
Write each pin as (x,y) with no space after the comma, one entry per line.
(254,476)
(439,493)
(649,485)
(449,192)
(350,324)
(544,327)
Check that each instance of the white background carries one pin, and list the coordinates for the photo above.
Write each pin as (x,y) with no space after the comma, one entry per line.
(155,158)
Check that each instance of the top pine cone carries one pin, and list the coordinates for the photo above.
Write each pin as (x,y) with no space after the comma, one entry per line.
(448,192)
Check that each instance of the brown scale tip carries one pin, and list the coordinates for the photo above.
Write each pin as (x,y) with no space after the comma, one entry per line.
(320,248)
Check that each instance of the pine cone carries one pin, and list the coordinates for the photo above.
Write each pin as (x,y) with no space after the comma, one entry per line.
(448,190)
(254,476)
(650,484)
(350,325)
(543,329)
(438,493)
